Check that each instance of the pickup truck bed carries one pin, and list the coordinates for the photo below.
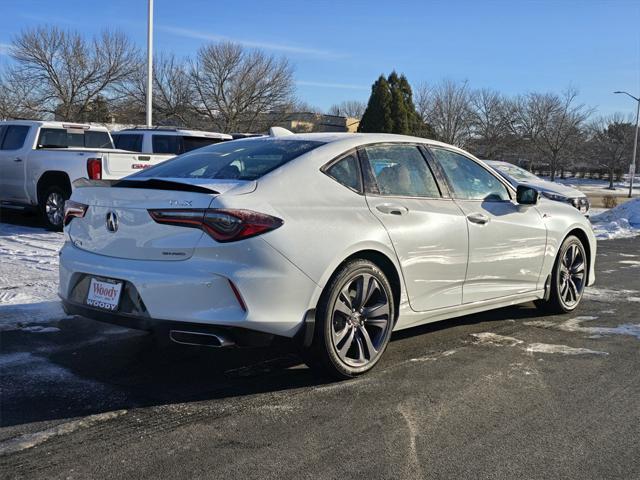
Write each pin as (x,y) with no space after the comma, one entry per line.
(36,174)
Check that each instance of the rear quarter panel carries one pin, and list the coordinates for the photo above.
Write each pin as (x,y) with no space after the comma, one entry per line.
(324,221)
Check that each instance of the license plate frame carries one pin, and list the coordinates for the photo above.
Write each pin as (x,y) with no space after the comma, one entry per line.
(104,294)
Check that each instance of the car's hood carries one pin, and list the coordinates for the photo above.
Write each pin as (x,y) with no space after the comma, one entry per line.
(545,186)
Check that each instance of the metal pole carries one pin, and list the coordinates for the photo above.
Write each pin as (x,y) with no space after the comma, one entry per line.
(632,168)
(150,64)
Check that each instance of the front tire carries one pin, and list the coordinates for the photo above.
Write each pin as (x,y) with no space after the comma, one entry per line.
(354,320)
(52,207)
(568,278)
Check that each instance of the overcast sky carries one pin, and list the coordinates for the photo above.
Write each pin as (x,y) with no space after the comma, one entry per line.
(339,48)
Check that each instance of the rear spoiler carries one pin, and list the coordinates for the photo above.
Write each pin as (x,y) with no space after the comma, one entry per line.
(150,184)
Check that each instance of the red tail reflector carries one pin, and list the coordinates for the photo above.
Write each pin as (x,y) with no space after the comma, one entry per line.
(94,168)
(223,225)
(72,210)
(236,292)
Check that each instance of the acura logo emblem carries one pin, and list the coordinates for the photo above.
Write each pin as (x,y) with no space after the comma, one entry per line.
(112,221)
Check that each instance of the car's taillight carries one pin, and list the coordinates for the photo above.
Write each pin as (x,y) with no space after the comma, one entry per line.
(94,168)
(223,225)
(73,209)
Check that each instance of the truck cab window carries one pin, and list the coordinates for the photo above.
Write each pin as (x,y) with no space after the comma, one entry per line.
(14,137)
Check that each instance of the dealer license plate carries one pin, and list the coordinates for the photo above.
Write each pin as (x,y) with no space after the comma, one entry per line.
(104,294)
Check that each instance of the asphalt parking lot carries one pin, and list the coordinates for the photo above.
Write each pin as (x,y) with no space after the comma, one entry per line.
(504,394)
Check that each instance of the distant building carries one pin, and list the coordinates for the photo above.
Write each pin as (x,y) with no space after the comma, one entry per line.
(306,122)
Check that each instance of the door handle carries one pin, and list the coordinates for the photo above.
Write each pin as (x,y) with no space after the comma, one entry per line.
(479,218)
(392,209)
(17,159)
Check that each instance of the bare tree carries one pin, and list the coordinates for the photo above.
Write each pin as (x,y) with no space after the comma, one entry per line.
(611,140)
(489,117)
(552,123)
(447,109)
(69,72)
(172,91)
(234,87)
(422,100)
(14,96)
(349,108)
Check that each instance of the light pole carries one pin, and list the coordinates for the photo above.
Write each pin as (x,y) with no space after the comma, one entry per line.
(149,63)
(632,167)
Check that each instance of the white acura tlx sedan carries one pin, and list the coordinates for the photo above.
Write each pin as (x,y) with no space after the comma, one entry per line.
(333,240)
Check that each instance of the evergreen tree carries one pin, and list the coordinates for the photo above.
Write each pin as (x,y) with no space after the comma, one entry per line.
(399,113)
(377,116)
(416,125)
(391,109)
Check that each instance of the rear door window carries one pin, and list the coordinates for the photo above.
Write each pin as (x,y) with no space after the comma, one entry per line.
(127,141)
(167,144)
(14,137)
(401,170)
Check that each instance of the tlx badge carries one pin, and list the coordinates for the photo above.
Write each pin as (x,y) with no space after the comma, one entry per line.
(180,203)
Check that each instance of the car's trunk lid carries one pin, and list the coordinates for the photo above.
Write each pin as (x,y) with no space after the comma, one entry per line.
(117,222)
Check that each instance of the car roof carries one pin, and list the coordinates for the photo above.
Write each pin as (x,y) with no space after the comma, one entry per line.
(354,139)
(176,131)
(54,124)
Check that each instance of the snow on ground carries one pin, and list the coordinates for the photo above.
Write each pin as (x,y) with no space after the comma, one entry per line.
(599,187)
(620,222)
(493,339)
(562,349)
(28,276)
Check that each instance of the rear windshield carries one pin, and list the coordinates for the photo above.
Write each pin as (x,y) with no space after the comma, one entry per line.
(64,138)
(241,159)
(518,173)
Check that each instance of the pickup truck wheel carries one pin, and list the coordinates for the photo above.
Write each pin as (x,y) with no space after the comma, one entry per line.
(52,207)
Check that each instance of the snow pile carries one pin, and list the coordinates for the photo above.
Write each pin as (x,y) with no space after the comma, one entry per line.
(28,276)
(620,222)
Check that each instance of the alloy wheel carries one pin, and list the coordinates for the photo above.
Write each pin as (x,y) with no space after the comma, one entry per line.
(54,208)
(572,275)
(360,320)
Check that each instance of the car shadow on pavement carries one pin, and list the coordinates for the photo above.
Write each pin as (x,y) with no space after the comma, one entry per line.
(87,367)
(26,218)
(516,312)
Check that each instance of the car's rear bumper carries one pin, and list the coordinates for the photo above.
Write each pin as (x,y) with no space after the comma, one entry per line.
(236,335)
(274,294)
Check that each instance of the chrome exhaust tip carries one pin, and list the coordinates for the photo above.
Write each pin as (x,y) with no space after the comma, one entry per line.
(200,339)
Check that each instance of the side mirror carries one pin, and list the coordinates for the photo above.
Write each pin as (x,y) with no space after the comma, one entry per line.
(526,195)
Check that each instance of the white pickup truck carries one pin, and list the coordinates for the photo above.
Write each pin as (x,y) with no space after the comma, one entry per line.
(39,161)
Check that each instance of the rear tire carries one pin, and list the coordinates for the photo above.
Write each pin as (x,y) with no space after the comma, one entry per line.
(568,278)
(52,207)
(354,320)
